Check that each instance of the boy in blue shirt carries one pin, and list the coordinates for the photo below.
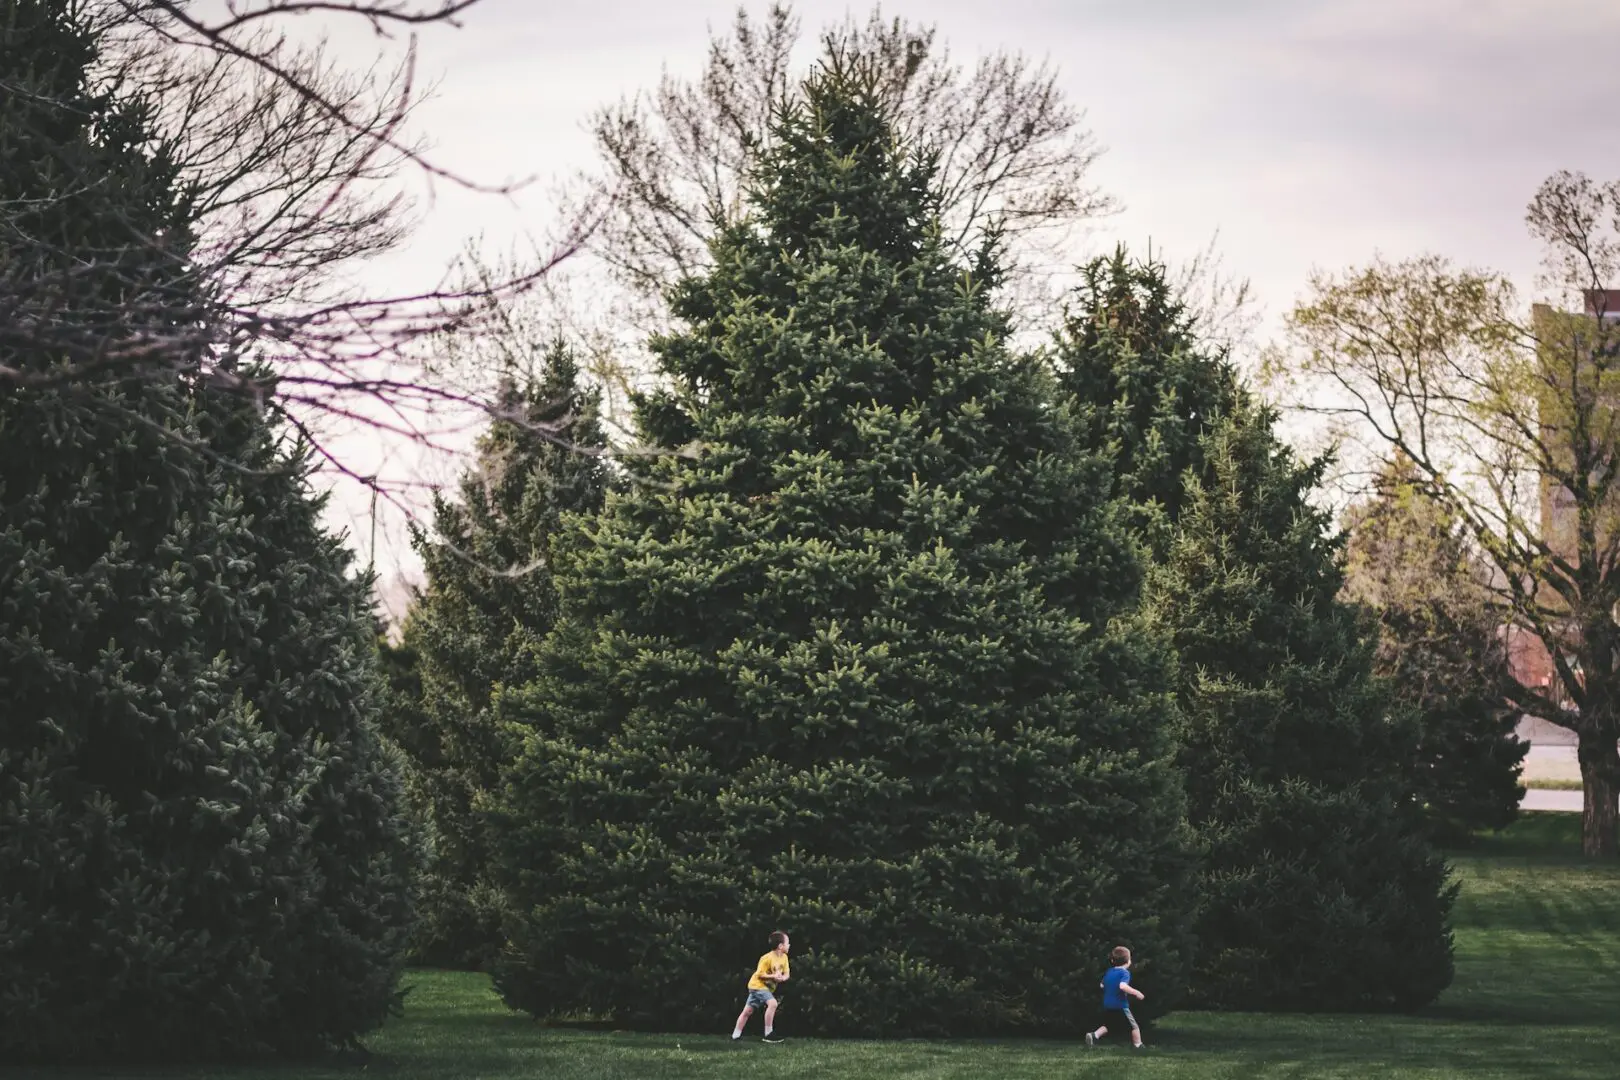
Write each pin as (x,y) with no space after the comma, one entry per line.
(1117,993)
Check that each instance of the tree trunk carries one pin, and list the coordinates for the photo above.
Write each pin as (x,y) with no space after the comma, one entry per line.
(1600,779)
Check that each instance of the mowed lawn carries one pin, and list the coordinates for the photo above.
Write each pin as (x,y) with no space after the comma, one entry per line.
(1537,994)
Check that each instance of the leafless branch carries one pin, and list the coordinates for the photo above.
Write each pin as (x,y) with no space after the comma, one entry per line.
(290,170)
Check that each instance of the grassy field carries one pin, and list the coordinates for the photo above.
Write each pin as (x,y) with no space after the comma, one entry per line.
(1538,948)
(1553,783)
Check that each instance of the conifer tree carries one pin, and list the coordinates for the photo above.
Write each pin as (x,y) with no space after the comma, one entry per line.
(1319,887)
(862,668)
(1441,649)
(200,849)
(488,601)
(1141,384)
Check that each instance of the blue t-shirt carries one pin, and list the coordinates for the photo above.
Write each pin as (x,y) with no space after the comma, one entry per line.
(1113,996)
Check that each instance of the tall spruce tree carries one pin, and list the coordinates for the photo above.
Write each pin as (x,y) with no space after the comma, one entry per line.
(1442,649)
(1319,889)
(860,669)
(1141,384)
(200,849)
(473,631)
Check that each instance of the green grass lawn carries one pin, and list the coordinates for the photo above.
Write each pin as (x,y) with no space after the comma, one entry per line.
(1553,783)
(1536,995)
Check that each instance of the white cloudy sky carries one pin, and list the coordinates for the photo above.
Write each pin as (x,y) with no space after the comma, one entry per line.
(1309,133)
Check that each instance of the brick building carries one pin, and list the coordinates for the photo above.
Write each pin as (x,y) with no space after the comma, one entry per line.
(1597,326)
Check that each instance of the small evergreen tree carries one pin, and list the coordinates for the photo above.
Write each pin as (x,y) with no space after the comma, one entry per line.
(488,601)
(861,668)
(1319,888)
(1442,649)
(1141,384)
(200,851)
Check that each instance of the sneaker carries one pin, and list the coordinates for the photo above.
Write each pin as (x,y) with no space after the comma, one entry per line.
(736,1034)
(773,1037)
(1091,1039)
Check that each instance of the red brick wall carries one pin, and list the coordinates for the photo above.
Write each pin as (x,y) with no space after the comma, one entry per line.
(1527,658)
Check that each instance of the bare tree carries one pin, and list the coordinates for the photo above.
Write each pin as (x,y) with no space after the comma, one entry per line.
(673,166)
(1014,153)
(292,170)
(1221,303)
(1012,149)
(1509,421)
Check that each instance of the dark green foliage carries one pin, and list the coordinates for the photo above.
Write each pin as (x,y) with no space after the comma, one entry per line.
(82,257)
(1441,648)
(1320,889)
(488,601)
(1141,384)
(200,851)
(302,641)
(860,669)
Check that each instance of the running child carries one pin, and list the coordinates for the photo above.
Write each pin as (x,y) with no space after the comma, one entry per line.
(1117,993)
(771,973)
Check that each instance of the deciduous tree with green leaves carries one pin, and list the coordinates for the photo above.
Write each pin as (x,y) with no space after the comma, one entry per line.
(1508,416)
(1442,649)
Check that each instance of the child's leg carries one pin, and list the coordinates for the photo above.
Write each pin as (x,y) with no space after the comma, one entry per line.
(1136,1031)
(770,1016)
(742,1018)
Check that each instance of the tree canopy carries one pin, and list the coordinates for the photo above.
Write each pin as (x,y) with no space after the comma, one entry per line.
(863,668)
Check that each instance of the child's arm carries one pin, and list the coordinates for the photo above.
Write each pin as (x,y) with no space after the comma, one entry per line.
(1133,991)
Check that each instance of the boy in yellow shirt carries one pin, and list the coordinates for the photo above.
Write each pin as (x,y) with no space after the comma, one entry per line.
(771,972)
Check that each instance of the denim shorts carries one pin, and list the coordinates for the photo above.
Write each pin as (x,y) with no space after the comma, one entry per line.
(758,999)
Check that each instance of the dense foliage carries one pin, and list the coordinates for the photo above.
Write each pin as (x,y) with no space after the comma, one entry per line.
(862,668)
(201,853)
(1320,889)
(489,599)
(1442,648)
(1142,385)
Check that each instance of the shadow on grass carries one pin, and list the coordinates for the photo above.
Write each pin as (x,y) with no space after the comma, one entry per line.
(1536,834)
(1376,1046)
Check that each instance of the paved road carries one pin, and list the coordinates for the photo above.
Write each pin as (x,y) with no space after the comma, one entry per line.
(1542,799)
(1551,757)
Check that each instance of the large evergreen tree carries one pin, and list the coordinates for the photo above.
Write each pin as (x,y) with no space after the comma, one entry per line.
(861,668)
(488,601)
(1441,648)
(1141,384)
(1320,889)
(200,849)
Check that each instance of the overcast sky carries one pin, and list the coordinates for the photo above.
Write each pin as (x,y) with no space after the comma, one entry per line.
(1309,133)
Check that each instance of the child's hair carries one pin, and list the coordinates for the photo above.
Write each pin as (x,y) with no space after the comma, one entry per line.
(777,937)
(1120,956)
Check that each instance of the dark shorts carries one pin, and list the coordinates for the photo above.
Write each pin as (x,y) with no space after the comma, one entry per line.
(758,999)
(1119,1020)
